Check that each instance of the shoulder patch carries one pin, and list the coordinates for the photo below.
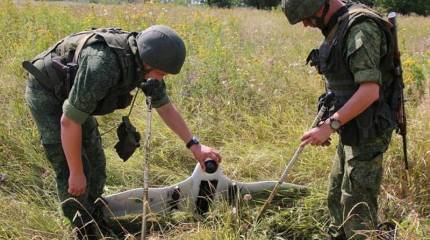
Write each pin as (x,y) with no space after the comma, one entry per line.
(358,40)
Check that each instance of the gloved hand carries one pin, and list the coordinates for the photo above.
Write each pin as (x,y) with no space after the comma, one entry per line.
(149,86)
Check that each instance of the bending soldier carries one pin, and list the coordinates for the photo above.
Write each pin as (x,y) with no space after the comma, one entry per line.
(100,68)
(356,59)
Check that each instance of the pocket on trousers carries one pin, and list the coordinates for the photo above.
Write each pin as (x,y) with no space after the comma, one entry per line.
(365,172)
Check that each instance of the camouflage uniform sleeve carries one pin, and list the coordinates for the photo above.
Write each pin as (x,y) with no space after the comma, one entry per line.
(98,71)
(160,96)
(365,44)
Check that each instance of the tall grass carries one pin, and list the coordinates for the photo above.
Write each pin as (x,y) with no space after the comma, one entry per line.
(244,89)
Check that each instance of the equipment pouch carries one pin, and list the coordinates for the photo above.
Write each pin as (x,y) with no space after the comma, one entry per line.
(128,137)
(349,133)
(360,129)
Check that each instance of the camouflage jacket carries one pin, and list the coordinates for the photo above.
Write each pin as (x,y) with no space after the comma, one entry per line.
(358,49)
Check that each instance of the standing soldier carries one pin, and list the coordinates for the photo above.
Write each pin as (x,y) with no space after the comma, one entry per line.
(92,73)
(356,59)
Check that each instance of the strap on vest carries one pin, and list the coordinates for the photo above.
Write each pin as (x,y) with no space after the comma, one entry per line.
(80,46)
(362,9)
(343,93)
(370,12)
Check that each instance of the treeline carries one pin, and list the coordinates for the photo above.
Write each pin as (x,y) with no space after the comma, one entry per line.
(421,7)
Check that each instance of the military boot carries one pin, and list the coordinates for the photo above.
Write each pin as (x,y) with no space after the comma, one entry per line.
(106,225)
(387,231)
(335,233)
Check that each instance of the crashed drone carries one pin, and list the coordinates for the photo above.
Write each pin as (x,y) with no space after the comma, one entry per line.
(193,194)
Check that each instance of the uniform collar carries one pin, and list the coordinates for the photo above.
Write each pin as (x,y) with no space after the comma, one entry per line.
(334,20)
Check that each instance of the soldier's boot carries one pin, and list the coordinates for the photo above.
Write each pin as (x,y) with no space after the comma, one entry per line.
(87,231)
(387,231)
(109,228)
(87,227)
(336,233)
(338,237)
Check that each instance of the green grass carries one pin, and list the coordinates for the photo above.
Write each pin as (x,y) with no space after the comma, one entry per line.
(244,89)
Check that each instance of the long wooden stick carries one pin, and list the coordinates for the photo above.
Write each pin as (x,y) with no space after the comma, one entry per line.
(145,203)
(327,104)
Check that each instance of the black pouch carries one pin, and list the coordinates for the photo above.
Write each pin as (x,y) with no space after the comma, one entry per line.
(349,134)
(129,139)
(359,129)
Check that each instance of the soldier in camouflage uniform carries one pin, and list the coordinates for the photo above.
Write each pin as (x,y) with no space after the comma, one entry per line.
(109,63)
(356,59)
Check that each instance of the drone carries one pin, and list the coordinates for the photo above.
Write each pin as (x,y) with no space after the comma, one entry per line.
(196,193)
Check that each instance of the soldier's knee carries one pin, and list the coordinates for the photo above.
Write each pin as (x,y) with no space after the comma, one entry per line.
(363,176)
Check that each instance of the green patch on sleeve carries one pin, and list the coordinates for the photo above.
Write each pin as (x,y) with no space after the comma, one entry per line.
(73,113)
(369,75)
(358,40)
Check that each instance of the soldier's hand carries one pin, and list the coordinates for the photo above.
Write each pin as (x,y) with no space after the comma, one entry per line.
(77,184)
(202,152)
(319,136)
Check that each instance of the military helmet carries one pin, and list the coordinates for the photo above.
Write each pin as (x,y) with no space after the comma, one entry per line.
(298,10)
(161,48)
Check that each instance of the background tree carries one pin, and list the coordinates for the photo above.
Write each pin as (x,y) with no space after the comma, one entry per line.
(262,4)
(421,7)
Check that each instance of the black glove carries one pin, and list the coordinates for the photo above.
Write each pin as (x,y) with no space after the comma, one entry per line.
(128,137)
(149,86)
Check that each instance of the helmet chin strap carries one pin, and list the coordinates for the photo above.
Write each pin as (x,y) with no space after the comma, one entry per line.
(320,20)
(142,71)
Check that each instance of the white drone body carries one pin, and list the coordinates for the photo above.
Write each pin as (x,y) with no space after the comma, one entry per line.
(194,193)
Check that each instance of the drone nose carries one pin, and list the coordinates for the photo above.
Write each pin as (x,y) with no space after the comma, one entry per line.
(211,166)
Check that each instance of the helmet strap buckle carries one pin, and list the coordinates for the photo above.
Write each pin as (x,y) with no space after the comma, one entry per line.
(320,20)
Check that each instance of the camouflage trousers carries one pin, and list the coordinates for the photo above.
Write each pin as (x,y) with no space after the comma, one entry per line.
(354,185)
(46,110)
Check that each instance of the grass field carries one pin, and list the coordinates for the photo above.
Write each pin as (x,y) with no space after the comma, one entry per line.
(244,89)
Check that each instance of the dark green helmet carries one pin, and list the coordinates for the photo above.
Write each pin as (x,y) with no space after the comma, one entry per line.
(298,10)
(161,48)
